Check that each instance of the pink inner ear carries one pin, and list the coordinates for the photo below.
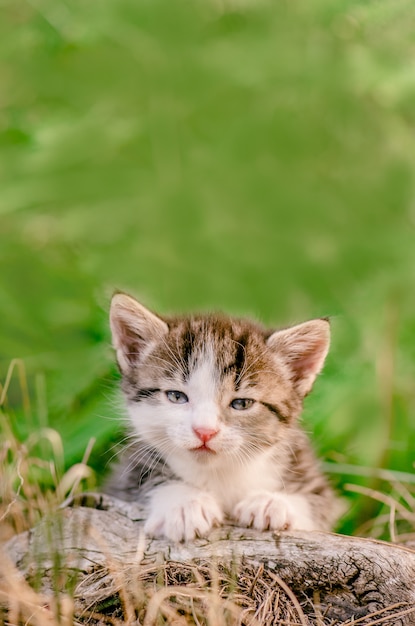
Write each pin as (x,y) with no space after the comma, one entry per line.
(133,343)
(310,362)
(304,348)
(128,340)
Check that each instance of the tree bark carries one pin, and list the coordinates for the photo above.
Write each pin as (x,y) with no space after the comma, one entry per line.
(102,539)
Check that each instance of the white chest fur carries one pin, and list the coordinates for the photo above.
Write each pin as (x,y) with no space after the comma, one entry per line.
(231,482)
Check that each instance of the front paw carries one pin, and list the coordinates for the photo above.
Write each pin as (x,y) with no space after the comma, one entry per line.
(181,513)
(274,511)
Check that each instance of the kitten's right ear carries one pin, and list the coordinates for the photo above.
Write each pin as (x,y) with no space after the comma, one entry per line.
(134,329)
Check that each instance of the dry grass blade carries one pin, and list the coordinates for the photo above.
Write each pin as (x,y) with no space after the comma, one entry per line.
(387,619)
(392,523)
(15,499)
(255,580)
(86,471)
(292,597)
(20,366)
(155,603)
(392,607)
(385,499)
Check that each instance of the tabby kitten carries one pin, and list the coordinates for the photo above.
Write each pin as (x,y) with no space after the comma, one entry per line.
(214,404)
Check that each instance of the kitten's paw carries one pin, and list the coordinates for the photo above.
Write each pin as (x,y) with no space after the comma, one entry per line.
(181,513)
(274,511)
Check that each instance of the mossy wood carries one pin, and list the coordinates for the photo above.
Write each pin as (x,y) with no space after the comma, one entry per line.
(102,542)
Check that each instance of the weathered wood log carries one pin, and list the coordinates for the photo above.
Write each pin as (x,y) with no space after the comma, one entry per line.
(342,578)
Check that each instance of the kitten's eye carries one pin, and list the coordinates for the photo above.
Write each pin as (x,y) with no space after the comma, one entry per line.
(241,404)
(177,397)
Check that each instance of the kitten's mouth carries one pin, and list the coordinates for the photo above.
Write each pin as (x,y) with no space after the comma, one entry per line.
(203,449)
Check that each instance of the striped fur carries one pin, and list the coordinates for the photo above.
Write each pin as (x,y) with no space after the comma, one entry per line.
(214,405)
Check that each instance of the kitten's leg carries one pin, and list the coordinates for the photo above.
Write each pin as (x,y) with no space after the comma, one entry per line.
(275,511)
(181,512)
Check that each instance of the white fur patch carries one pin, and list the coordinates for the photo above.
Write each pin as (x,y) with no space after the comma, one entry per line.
(203,391)
(274,511)
(181,512)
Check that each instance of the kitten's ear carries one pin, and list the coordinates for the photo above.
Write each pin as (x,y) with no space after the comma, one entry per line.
(304,349)
(134,328)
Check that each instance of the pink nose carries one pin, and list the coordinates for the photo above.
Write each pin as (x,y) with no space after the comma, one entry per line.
(205,434)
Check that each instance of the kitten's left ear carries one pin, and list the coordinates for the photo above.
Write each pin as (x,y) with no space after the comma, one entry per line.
(304,348)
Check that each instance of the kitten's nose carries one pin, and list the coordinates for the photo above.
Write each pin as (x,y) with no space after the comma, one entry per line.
(205,434)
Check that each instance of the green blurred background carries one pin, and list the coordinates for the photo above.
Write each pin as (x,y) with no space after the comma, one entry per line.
(252,157)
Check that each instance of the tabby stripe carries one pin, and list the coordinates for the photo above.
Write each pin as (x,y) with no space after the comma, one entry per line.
(240,358)
(188,341)
(276,411)
(239,363)
(143,394)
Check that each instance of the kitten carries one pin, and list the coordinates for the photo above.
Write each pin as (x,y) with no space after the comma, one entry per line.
(214,404)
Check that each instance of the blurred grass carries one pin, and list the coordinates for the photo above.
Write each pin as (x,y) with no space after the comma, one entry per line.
(255,157)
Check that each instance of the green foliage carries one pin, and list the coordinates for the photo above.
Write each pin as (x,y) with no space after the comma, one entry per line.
(255,157)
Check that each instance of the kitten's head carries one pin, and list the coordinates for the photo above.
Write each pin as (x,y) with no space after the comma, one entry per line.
(213,388)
